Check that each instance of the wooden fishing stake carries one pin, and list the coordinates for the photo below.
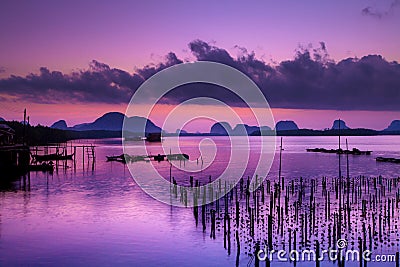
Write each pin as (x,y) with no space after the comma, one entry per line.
(237,214)
(317,248)
(280,162)
(83,158)
(238,248)
(340,170)
(256,260)
(270,232)
(74,158)
(225,231)
(203,217)
(212,234)
(229,234)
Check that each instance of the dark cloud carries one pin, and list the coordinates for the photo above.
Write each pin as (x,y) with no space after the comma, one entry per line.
(370,11)
(2,69)
(309,81)
(99,83)
(149,70)
(380,12)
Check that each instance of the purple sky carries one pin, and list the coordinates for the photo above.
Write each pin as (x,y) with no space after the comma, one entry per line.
(128,35)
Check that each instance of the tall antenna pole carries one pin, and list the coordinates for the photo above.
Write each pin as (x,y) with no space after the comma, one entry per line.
(27,131)
(23,137)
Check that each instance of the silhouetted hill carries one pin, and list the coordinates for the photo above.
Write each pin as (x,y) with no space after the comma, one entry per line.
(393,127)
(244,129)
(340,123)
(61,124)
(286,126)
(181,132)
(113,121)
(221,128)
(137,124)
(1,119)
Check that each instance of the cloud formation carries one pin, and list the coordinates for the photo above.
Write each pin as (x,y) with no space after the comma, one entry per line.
(309,81)
(99,83)
(380,12)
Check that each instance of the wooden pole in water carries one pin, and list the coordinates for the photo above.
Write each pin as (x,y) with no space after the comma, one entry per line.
(83,157)
(317,262)
(280,162)
(212,234)
(347,158)
(340,170)
(170,167)
(238,248)
(74,158)
(203,217)
(27,131)
(257,249)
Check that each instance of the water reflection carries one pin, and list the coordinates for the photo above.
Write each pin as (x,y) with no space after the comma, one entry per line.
(83,216)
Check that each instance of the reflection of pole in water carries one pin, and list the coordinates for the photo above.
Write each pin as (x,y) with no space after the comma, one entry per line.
(170,168)
(280,161)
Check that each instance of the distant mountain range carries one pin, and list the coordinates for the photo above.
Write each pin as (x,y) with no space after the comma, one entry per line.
(113,121)
(291,128)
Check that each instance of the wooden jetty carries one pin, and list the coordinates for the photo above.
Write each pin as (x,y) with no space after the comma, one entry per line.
(60,154)
(14,158)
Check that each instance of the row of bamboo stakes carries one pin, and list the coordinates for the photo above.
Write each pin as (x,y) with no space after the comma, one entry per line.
(304,213)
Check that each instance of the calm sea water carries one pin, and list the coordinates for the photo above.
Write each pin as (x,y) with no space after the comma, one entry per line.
(100,217)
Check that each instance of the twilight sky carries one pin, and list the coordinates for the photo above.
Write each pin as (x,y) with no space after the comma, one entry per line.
(79,59)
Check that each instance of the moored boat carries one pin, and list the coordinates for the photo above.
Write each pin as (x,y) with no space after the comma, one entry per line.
(391,160)
(354,151)
(49,157)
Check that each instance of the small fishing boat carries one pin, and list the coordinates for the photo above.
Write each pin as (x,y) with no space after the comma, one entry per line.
(153,137)
(354,151)
(123,158)
(391,160)
(177,157)
(55,156)
(159,157)
(134,138)
(42,167)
